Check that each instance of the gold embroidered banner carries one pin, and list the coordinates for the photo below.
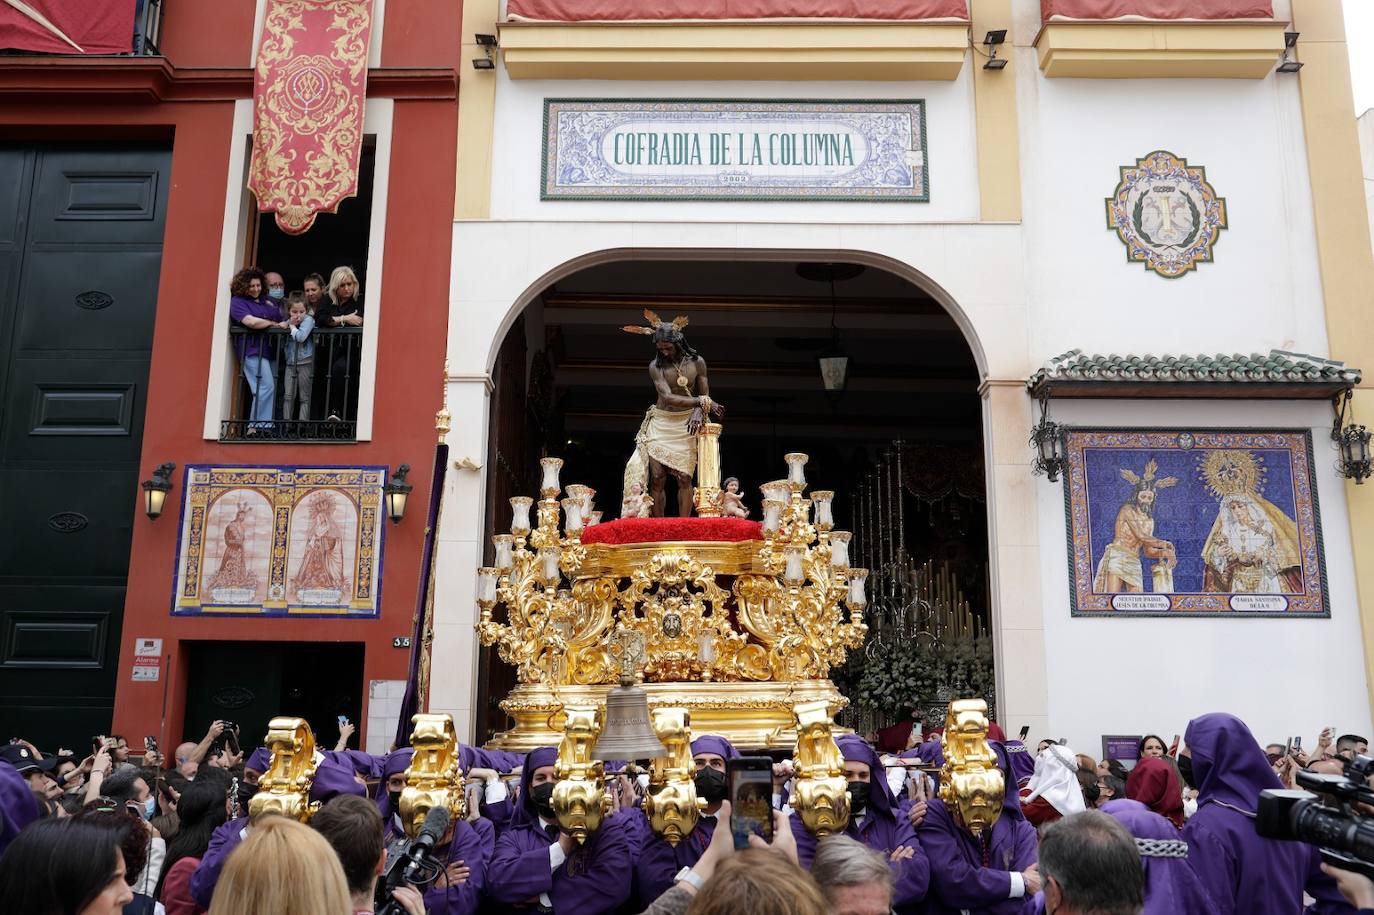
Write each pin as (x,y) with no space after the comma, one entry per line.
(308,95)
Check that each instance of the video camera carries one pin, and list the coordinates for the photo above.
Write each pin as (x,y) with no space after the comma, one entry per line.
(415,866)
(1325,815)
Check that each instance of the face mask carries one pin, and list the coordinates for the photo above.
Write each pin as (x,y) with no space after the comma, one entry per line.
(246,793)
(1185,769)
(643,780)
(277,292)
(896,781)
(395,798)
(711,786)
(150,808)
(858,797)
(542,798)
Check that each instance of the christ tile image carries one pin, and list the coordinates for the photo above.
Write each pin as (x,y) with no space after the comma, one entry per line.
(237,544)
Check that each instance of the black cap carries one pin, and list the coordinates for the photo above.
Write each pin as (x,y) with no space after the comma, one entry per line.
(21,758)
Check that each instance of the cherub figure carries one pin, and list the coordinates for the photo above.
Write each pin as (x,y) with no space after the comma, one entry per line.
(636,504)
(732,503)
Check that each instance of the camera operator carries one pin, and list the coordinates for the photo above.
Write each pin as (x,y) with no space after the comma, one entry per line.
(1244,873)
(353,828)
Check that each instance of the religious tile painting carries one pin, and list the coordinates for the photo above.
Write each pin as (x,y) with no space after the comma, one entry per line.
(1194,522)
(280,541)
(1166,214)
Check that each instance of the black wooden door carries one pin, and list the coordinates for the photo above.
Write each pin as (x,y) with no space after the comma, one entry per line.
(80,251)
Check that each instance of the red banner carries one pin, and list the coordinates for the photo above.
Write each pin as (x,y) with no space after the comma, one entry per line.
(308,97)
(653,10)
(1093,10)
(67,26)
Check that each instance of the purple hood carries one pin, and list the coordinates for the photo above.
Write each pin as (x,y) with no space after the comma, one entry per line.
(1228,764)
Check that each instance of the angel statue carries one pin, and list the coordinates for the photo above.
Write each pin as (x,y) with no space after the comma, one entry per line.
(1119,569)
(665,443)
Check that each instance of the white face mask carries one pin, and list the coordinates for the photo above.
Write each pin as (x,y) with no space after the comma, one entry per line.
(1189,807)
(896,780)
(643,780)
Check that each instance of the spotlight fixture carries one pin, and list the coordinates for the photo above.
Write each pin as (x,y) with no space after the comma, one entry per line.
(397,491)
(1048,440)
(483,63)
(488,44)
(991,41)
(155,490)
(1288,64)
(486,41)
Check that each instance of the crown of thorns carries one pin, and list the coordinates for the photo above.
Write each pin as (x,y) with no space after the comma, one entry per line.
(655,322)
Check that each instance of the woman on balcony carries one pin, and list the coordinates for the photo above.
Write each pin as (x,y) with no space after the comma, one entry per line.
(256,351)
(344,358)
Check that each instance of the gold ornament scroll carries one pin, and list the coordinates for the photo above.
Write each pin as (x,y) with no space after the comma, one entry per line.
(309,90)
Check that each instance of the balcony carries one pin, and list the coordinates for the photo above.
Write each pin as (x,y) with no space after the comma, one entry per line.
(311,402)
(82,30)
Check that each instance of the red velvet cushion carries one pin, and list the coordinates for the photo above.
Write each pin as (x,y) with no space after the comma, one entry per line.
(659,530)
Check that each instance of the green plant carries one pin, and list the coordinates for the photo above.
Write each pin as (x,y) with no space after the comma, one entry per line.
(904,675)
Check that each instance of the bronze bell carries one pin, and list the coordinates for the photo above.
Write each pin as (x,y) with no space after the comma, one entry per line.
(628,734)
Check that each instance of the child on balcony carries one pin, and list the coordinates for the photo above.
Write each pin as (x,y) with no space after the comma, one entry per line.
(300,357)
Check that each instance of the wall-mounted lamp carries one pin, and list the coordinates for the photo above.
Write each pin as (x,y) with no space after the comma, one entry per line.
(397,493)
(155,490)
(1048,440)
(991,41)
(1288,64)
(1352,440)
(488,44)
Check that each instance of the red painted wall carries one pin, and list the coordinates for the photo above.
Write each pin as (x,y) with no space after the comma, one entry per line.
(422,33)
(208,33)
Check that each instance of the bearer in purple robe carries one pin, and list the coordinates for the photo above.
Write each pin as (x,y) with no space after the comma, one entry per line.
(1244,873)
(18,807)
(873,821)
(1171,887)
(990,874)
(331,780)
(1021,760)
(464,849)
(537,867)
(660,862)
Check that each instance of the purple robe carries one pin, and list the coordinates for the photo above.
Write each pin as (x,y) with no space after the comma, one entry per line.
(1171,887)
(473,844)
(1242,872)
(881,830)
(365,764)
(958,877)
(1021,761)
(223,840)
(18,808)
(595,877)
(658,861)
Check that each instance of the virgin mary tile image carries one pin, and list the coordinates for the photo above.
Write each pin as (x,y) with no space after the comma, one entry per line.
(280,541)
(1194,522)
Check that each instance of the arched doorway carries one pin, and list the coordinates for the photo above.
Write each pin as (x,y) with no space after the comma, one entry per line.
(900,441)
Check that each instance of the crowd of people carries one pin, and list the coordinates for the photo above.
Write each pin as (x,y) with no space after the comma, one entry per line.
(1169,833)
(317,373)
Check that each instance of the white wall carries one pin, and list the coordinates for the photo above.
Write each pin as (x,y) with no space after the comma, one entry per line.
(1130,676)
(1262,291)
(517,152)
(1365,123)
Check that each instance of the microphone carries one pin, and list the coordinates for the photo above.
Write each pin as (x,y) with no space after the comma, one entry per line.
(415,866)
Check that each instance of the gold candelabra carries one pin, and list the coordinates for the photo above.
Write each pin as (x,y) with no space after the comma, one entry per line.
(781,609)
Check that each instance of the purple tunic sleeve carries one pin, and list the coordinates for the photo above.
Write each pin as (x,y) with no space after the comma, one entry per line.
(520,866)
(1213,863)
(17,805)
(954,877)
(471,844)
(222,841)
(498,814)
(659,862)
(595,879)
(912,876)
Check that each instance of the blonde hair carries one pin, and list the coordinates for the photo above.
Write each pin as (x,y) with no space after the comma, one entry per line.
(283,867)
(338,276)
(759,881)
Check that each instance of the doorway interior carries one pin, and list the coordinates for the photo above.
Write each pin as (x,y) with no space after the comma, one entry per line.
(569,382)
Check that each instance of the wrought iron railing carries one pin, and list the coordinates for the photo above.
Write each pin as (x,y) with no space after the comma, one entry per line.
(315,401)
(147,27)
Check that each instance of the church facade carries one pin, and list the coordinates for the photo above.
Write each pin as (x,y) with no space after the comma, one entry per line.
(1145,230)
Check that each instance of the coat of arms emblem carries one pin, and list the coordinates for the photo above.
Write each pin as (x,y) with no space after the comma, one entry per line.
(1166,214)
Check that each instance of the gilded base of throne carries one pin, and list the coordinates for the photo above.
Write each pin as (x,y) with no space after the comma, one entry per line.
(755,716)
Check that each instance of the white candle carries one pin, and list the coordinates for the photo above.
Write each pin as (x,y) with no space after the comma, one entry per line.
(796,468)
(551,467)
(839,549)
(504,544)
(775,490)
(549,555)
(772,516)
(593,519)
(794,574)
(824,518)
(706,647)
(572,517)
(520,515)
(486,584)
(858,599)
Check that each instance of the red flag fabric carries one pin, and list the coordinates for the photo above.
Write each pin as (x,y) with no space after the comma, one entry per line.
(309,92)
(1155,9)
(652,10)
(89,26)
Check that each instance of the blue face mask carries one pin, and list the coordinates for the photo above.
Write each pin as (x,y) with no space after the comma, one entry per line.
(277,292)
(150,808)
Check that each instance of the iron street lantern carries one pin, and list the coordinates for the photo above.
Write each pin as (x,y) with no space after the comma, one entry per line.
(155,490)
(1354,445)
(397,492)
(834,366)
(1048,440)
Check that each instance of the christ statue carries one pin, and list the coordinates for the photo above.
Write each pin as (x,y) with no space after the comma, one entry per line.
(1119,570)
(666,442)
